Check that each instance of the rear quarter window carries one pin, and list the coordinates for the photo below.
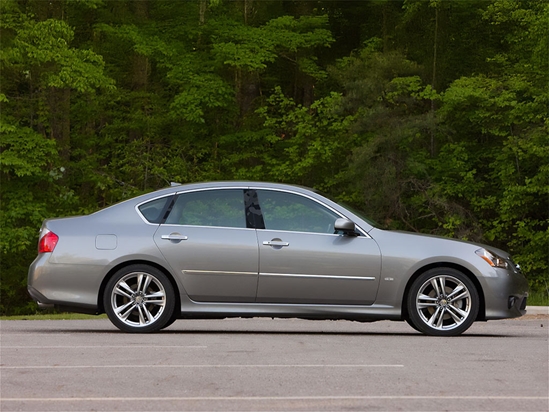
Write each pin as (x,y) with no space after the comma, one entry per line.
(155,210)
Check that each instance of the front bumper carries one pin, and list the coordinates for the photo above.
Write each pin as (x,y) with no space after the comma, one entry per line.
(505,293)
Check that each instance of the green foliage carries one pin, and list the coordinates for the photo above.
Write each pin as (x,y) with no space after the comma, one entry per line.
(307,144)
(505,121)
(48,43)
(24,152)
(429,116)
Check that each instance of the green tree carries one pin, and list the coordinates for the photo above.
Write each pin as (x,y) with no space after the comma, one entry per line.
(41,74)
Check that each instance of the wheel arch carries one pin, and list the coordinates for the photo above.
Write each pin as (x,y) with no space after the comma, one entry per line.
(482,307)
(110,274)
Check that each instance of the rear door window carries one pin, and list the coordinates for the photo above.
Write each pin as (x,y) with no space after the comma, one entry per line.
(220,208)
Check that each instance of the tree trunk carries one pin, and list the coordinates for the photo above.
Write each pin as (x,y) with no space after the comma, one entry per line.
(60,122)
(202,6)
(303,84)
(433,83)
(140,63)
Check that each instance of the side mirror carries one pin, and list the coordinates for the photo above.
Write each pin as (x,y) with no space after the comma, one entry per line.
(346,226)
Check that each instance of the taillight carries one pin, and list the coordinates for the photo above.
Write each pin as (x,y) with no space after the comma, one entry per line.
(47,242)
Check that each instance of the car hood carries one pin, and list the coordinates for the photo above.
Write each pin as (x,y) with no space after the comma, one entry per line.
(410,237)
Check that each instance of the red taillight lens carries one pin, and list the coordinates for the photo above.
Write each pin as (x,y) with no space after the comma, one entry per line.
(47,242)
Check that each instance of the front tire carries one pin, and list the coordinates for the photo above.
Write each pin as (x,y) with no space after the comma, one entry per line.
(139,299)
(442,302)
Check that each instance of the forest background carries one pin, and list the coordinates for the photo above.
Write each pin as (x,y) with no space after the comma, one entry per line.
(430,116)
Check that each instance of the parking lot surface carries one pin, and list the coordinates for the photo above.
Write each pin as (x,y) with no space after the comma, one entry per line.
(273,365)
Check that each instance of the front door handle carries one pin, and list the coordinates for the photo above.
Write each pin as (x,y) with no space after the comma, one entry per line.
(174,236)
(275,243)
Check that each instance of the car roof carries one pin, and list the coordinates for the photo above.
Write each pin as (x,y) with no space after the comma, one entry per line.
(177,188)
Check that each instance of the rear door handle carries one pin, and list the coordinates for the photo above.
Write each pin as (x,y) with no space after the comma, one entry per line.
(174,236)
(275,243)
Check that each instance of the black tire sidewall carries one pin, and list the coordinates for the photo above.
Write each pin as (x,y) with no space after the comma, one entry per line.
(417,321)
(168,309)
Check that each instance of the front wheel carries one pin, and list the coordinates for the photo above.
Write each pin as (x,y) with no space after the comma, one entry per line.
(139,298)
(442,302)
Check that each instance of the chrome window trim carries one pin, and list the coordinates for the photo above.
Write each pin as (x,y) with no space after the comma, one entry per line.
(203,189)
(310,233)
(212,227)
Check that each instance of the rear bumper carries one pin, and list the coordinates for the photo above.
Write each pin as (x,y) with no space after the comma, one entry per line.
(45,304)
(65,287)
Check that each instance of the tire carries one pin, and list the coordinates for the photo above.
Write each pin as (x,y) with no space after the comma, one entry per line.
(139,299)
(170,322)
(442,302)
(409,322)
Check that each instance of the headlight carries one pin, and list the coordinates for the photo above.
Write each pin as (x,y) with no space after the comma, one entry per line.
(492,259)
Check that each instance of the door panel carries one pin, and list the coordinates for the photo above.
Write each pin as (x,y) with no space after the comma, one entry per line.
(215,264)
(317,268)
(206,242)
(302,260)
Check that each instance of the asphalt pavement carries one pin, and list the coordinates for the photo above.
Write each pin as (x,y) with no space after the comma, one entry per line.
(537,310)
(273,365)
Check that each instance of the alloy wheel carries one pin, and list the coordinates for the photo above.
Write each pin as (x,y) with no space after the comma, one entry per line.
(443,302)
(139,298)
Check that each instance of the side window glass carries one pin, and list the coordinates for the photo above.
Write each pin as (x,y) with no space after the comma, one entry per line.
(153,211)
(288,211)
(223,208)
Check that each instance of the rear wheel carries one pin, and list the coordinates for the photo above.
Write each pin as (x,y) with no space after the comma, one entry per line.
(139,298)
(442,302)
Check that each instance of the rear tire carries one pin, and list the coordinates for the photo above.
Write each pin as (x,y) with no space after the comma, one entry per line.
(139,299)
(171,320)
(442,302)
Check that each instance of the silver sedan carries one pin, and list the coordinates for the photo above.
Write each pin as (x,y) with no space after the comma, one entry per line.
(249,249)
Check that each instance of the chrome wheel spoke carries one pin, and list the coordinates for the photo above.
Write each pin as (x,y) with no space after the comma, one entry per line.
(434,283)
(121,292)
(125,310)
(155,302)
(424,301)
(441,317)
(140,279)
(155,295)
(148,314)
(157,298)
(463,295)
(424,297)
(125,286)
(457,312)
(426,305)
(458,289)
(146,283)
(141,316)
(435,317)
(442,285)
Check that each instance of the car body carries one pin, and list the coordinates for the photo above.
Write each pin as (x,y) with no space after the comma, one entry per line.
(253,249)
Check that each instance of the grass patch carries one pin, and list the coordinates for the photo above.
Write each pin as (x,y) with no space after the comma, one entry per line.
(538,298)
(54,316)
